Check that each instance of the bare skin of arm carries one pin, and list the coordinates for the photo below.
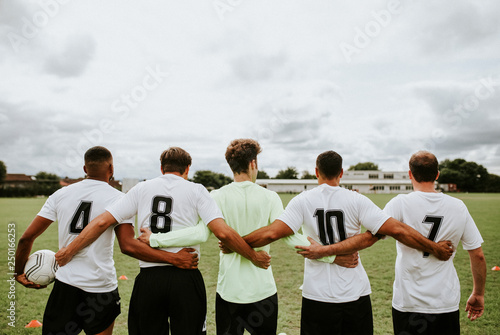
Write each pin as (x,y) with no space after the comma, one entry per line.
(392,227)
(35,229)
(475,303)
(88,235)
(412,238)
(235,242)
(184,259)
(279,229)
(347,246)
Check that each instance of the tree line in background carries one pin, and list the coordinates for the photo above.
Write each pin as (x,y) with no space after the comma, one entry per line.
(468,176)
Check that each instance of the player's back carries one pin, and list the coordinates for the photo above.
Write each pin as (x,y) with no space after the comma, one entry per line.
(423,283)
(91,269)
(166,203)
(246,207)
(330,214)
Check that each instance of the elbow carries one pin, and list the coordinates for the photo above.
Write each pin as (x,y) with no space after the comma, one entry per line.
(223,235)
(272,235)
(127,249)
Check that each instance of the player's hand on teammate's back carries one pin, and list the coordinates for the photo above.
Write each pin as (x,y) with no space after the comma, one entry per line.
(313,251)
(186,258)
(63,256)
(445,250)
(347,261)
(262,260)
(145,234)
(475,306)
(224,249)
(26,283)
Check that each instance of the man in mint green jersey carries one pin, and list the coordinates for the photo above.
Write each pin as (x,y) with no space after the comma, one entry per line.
(246,295)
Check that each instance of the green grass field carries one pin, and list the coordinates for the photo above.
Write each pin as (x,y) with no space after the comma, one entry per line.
(287,267)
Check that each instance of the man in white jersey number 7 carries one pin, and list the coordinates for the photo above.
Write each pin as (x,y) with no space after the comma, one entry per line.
(166,299)
(85,293)
(426,292)
(335,299)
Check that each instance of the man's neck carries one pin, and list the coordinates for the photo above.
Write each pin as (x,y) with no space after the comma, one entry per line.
(330,182)
(99,178)
(427,187)
(240,177)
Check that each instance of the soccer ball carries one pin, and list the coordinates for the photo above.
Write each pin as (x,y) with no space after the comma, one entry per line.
(41,267)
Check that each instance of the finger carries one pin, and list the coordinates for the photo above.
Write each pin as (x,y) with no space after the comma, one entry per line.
(301,247)
(189,249)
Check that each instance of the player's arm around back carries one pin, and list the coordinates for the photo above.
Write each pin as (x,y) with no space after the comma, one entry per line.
(35,229)
(231,239)
(412,238)
(475,303)
(88,235)
(184,259)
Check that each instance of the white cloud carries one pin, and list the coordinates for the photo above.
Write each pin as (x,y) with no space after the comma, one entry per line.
(269,70)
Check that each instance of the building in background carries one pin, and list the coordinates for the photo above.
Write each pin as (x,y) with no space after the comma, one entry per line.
(367,182)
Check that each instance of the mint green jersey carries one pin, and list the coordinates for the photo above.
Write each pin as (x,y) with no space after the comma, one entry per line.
(246,207)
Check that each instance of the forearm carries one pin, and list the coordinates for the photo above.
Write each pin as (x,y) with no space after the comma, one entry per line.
(143,252)
(298,239)
(88,235)
(236,243)
(180,238)
(478,268)
(350,245)
(22,253)
(265,235)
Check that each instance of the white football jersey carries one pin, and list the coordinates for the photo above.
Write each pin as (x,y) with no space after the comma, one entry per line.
(166,203)
(91,269)
(329,215)
(424,284)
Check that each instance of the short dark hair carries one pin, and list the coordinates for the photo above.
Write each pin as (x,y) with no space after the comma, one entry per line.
(96,156)
(240,153)
(329,164)
(424,166)
(175,159)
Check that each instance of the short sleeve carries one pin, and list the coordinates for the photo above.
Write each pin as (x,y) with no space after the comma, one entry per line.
(393,209)
(207,207)
(276,207)
(48,210)
(471,238)
(126,207)
(293,215)
(370,215)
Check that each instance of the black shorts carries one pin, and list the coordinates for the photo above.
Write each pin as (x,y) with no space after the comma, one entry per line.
(324,318)
(166,297)
(70,309)
(406,323)
(258,318)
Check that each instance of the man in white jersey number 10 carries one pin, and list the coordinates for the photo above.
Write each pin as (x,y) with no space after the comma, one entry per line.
(426,292)
(336,300)
(165,299)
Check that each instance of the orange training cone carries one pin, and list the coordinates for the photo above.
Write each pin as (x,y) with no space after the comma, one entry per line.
(123,277)
(33,324)
(496,268)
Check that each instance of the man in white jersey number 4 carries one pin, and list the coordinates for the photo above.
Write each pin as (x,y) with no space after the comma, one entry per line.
(426,292)
(166,299)
(336,299)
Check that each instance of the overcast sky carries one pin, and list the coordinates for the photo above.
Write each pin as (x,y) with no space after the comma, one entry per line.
(372,80)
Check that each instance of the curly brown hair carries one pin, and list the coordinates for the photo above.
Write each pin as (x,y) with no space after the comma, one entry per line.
(240,153)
